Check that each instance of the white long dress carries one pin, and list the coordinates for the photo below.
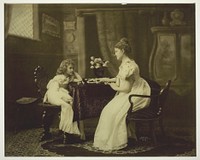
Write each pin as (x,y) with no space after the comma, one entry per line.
(60,96)
(111,132)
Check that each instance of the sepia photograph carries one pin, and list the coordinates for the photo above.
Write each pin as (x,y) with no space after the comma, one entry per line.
(104,80)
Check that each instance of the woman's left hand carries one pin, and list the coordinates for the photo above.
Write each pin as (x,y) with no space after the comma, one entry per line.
(112,85)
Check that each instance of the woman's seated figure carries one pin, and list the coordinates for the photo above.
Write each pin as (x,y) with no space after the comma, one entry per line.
(112,132)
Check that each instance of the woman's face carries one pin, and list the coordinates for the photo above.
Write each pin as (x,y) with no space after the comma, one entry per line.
(70,70)
(119,53)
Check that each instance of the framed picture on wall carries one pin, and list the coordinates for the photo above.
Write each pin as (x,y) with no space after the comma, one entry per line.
(50,26)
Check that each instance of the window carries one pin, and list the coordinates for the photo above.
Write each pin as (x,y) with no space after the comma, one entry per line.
(24,21)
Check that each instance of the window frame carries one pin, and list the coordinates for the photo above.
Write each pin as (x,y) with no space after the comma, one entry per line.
(36,32)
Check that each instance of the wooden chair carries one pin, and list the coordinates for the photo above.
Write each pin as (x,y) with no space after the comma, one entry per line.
(152,113)
(41,79)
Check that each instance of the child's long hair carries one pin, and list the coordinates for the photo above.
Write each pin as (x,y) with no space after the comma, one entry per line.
(63,66)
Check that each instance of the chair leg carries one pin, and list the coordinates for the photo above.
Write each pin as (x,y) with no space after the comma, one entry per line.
(161,126)
(131,129)
(65,138)
(81,128)
(17,119)
(46,119)
(152,131)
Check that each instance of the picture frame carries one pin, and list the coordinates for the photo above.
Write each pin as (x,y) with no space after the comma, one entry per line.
(69,25)
(50,26)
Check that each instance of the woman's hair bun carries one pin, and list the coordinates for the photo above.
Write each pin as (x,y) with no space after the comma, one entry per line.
(124,40)
(124,44)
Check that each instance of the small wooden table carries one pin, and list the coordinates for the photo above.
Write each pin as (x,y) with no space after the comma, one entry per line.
(89,99)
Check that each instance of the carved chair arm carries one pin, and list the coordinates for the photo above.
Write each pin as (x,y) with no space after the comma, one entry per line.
(138,95)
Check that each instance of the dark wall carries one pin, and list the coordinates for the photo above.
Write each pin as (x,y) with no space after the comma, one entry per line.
(23,55)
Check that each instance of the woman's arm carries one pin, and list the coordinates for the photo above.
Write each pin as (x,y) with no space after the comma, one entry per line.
(108,80)
(125,86)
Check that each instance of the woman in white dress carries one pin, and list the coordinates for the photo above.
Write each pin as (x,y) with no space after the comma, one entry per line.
(112,132)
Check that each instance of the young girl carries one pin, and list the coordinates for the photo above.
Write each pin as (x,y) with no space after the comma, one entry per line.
(56,94)
(65,69)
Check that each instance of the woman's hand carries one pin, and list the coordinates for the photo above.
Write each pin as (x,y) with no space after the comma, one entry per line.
(125,86)
(107,80)
(113,85)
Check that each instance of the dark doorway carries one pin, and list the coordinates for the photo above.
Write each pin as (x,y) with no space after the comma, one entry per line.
(92,43)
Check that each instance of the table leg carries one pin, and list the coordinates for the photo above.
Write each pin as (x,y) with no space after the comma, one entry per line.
(81,128)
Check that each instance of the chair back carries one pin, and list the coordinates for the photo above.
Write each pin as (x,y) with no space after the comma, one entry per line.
(41,79)
(163,96)
(155,90)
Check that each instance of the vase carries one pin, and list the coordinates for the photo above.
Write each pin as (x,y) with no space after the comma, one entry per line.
(177,17)
(165,20)
(98,72)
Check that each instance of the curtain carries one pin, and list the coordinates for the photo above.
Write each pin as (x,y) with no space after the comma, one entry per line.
(7,17)
(113,25)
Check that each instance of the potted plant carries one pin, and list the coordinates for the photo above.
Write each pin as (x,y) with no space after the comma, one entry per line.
(98,65)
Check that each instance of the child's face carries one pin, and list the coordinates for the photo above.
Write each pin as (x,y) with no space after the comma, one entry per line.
(70,70)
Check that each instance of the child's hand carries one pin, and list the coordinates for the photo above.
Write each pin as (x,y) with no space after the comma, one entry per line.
(70,101)
(77,80)
(66,81)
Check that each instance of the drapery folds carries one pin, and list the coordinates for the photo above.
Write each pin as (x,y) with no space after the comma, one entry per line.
(134,24)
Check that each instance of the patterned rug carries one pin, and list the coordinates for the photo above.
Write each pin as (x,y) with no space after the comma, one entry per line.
(87,149)
(26,143)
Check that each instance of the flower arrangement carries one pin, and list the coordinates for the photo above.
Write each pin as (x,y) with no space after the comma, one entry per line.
(96,63)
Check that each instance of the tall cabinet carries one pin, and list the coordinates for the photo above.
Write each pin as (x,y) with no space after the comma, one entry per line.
(172,57)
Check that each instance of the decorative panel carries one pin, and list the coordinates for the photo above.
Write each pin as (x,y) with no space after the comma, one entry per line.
(165,57)
(172,57)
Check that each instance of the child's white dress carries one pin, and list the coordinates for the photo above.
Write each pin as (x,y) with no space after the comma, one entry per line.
(111,132)
(60,96)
